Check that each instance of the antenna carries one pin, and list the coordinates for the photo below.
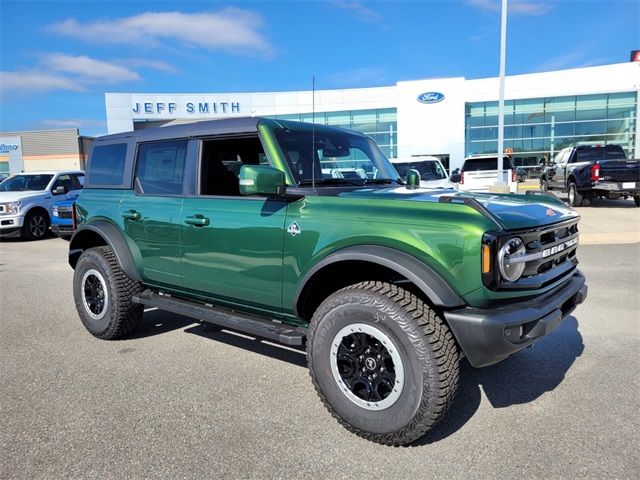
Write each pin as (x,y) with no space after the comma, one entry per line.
(313,133)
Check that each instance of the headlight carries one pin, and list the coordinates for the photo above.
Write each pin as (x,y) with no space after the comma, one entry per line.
(55,210)
(11,208)
(511,271)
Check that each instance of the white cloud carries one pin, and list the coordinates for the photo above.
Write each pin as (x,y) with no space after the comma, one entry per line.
(89,69)
(522,7)
(35,81)
(360,10)
(569,60)
(79,123)
(77,73)
(231,29)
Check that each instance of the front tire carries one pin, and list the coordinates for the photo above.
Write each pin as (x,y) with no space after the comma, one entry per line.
(103,295)
(382,362)
(36,225)
(575,199)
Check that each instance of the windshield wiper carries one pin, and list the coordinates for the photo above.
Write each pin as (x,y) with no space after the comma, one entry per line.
(382,181)
(331,181)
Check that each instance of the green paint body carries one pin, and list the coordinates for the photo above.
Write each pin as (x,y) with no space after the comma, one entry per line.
(248,257)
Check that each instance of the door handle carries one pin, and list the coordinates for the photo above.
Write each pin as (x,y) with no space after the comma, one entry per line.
(197,221)
(132,215)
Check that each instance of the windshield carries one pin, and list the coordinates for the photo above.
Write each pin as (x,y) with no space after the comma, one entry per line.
(338,157)
(428,169)
(21,183)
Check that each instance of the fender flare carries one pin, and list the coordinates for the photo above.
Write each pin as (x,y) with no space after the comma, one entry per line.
(422,275)
(113,237)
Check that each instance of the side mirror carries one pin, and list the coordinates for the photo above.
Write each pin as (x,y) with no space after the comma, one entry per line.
(261,180)
(59,190)
(413,178)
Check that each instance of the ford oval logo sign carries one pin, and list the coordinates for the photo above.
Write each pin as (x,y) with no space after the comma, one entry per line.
(430,97)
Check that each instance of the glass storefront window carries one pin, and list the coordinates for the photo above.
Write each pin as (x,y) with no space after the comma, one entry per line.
(540,127)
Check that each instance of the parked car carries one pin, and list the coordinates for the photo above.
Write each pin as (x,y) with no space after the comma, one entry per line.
(521,174)
(586,172)
(387,285)
(432,173)
(480,172)
(26,200)
(62,218)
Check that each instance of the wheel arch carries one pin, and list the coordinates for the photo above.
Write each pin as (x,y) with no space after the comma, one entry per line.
(39,208)
(103,233)
(371,262)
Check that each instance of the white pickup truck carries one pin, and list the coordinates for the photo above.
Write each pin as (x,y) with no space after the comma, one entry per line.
(26,200)
(480,172)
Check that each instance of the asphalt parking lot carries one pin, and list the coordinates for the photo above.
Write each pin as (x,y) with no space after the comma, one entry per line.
(182,400)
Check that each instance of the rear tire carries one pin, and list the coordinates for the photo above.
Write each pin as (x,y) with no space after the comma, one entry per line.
(36,225)
(103,295)
(374,328)
(575,199)
(636,199)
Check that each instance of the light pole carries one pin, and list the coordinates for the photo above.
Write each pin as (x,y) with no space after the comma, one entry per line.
(503,52)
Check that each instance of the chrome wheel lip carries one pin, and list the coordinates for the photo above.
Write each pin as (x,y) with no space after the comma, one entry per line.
(37,226)
(393,397)
(93,272)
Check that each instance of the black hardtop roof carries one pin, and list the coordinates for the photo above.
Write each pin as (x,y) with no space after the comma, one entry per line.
(207,127)
(223,126)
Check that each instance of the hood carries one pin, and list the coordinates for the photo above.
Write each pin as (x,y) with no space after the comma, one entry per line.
(513,211)
(6,197)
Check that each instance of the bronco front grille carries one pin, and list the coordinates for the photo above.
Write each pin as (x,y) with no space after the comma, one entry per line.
(550,254)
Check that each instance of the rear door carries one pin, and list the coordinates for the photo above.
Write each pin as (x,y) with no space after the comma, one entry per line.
(151,211)
(480,173)
(232,245)
(555,173)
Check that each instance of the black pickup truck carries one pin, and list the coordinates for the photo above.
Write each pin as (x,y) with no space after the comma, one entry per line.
(593,171)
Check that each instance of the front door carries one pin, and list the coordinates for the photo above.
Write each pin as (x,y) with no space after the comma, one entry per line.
(232,245)
(232,249)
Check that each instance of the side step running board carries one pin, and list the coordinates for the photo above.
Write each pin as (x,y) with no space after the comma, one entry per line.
(257,326)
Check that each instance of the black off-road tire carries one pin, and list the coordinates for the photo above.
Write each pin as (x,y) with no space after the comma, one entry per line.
(118,314)
(636,199)
(428,351)
(36,225)
(575,199)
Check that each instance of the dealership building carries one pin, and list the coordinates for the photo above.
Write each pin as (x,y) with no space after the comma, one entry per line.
(447,117)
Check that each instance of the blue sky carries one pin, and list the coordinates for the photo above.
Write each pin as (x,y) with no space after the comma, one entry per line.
(59,58)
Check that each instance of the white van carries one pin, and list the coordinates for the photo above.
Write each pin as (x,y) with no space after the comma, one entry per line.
(432,173)
(480,172)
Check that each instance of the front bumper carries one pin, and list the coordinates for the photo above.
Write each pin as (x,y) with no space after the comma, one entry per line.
(487,336)
(10,223)
(60,229)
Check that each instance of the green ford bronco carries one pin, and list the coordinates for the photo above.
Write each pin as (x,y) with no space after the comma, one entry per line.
(305,235)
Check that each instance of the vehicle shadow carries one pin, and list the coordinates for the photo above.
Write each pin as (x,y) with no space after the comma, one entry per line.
(157,322)
(521,378)
(602,202)
(290,354)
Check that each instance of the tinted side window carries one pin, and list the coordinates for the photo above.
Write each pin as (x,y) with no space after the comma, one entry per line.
(160,167)
(106,166)
(65,181)
(78,181)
